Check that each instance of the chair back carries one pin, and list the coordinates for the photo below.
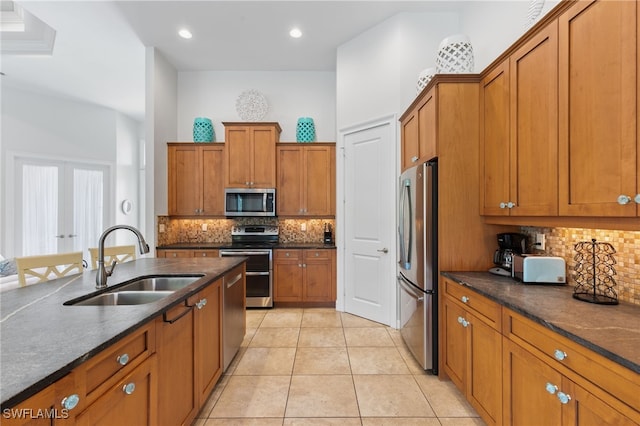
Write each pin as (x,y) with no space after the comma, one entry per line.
(48,266)
(118,253)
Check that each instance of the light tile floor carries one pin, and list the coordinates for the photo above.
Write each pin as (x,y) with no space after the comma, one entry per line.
(322,367)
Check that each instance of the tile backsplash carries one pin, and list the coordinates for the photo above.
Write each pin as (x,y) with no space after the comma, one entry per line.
(219,230)
(561,242)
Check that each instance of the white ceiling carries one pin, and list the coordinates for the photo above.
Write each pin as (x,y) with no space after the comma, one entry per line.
(99,51)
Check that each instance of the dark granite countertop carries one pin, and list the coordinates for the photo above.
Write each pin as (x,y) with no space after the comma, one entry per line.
(612,331)
(228,244)
(41,340)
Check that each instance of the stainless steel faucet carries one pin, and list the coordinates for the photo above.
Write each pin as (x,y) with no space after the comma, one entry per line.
(103,273)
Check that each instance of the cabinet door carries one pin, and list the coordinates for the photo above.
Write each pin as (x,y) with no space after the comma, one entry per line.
(208,332)
(212,166)
(319,181)
(427,125)
(484,380)
(287,276)
(238,156)
(529,389)
(263,157)
(410,141)
(290,186)
(454,342)
(585,409)
(185,182)
(494,142)
(534,126)
(132,401)
(317,282)
(597,108)
(177,402)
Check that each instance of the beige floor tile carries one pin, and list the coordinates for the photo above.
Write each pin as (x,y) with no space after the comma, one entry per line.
(213,398)
(461,421)
(321,337)
(371,336)
(412,363)
(234,362)
(400,421)
(244,422)
(366,360)
(321,319)
(266,337)
(444,397)
(266,362)
(248,336)
(253,396)
(255,317)
(349,320)
(321,361)
(199,422)
(390,396)
(322,396)
(282,318)
(348,421)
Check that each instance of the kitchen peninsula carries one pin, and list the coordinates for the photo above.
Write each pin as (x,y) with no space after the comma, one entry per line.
(78,361)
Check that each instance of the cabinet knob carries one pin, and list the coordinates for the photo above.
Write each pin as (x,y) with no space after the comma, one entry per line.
(414,159)
(563,397)
(123,359)
(463,321)
(464,299)
(287,254)
(129,388)
(70,402)
(201,303)
(559,355)
(637,198)
(503,205)
(551,388)
(623,199)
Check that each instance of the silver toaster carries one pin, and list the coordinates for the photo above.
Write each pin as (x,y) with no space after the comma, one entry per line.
(537,269)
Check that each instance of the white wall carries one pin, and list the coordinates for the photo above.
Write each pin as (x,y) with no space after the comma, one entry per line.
(290,95)
(46,126)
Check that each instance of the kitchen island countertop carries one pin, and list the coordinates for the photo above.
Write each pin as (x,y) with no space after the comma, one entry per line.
(41,340)
(612,331)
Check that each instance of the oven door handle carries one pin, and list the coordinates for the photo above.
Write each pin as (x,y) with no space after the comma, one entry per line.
(243,253)
(257,273)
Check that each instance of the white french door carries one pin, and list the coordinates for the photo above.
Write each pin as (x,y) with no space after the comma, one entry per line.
(59,206)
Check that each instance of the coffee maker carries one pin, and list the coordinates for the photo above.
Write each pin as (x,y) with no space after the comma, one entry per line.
(509,243)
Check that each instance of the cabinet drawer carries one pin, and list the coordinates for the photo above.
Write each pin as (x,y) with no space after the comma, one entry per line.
(485,309)
(205,253)
(123,355)
(175,253)
(317,254)
(566,356)
(288,254)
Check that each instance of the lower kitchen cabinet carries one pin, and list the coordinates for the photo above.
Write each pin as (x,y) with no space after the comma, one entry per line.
(472,348)
(304,275)
(130,401)
(186,253)
(208,347)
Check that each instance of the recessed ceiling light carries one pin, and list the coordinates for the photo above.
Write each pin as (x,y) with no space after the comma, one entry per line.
(185,33)
(295,33)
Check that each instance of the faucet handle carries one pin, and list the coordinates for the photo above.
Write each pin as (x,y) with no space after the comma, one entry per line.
(113,266)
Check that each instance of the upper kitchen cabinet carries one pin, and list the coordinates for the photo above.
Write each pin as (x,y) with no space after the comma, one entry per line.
(196,179)
(306,179)
(598,148)
(419,130)
(251,154)
(518,136)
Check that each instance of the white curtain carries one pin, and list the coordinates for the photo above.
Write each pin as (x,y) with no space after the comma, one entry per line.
(88,205)
(39,209)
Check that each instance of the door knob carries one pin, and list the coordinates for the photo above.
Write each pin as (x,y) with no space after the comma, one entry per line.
(384,250)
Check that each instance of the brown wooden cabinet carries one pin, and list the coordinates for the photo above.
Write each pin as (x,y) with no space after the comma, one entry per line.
(598,92)
(187,253)
(419,131)
(518,137)
(250,158)
(472,348)
(208,340)
(196,179)
(305,275)
(306,179)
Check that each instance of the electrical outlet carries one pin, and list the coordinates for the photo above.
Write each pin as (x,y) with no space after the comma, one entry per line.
(161,228)
(303,227)
(204,226)
(541,242)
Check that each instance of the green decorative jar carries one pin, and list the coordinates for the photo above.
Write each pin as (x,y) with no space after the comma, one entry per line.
(203,130)
(305,130)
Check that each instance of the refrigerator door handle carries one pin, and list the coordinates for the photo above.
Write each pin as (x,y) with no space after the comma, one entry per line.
(405,204)
(418,293)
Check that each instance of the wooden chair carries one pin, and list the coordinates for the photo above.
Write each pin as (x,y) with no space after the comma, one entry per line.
(48,266)
(118,253)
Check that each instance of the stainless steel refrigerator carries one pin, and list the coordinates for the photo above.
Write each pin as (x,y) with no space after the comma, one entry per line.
(418,262)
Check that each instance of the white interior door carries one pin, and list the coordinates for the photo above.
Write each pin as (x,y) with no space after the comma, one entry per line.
(369,221)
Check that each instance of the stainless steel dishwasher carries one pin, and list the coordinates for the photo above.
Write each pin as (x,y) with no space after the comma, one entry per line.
(233,313)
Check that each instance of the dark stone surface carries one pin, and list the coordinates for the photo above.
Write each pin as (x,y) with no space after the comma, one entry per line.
(41,340)
(612,331)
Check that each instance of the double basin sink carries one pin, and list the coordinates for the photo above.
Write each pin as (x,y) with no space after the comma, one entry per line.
(139,291)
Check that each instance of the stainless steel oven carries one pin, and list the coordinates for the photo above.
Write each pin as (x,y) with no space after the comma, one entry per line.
(259,277)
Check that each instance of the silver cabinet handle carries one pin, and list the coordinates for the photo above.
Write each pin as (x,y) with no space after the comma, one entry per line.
(463,321)
(70,402)
(559,355)
(551,388)
(637,198)
(123,359)
(464,299)
(623,199)
(201,303)
(384,250)
(563,397)
(511,205)
(129,388)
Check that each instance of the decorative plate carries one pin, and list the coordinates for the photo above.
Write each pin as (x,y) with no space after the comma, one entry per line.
(251,105)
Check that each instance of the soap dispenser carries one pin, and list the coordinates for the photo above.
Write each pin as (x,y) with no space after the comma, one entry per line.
(328,234)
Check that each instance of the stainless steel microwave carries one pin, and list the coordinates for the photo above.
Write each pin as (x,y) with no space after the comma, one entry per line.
(250,202)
